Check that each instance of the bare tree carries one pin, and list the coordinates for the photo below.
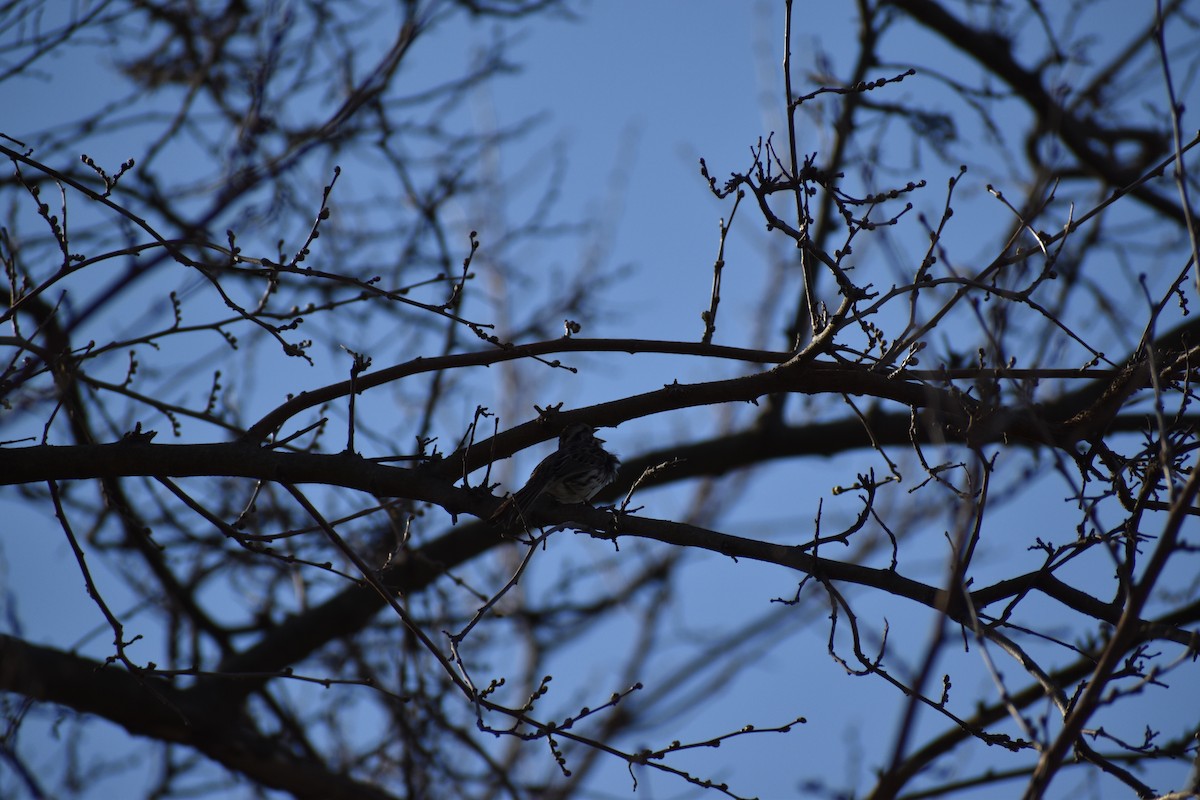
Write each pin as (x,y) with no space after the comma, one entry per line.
(976,303)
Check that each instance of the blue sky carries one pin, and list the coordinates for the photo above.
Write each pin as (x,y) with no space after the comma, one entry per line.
(633,94)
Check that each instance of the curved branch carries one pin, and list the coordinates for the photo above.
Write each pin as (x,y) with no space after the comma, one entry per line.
(149,706)
(995,54)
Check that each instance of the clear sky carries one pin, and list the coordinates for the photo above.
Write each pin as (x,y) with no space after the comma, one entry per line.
(633,94)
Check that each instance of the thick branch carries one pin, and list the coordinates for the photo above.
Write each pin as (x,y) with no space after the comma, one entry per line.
(148,706)
(235,459)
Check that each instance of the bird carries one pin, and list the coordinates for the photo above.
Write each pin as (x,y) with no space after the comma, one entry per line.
(573,473)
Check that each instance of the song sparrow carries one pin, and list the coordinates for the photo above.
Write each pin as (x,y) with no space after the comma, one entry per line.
(572,474)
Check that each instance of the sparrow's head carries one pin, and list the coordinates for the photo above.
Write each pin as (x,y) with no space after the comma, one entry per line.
(577,433)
